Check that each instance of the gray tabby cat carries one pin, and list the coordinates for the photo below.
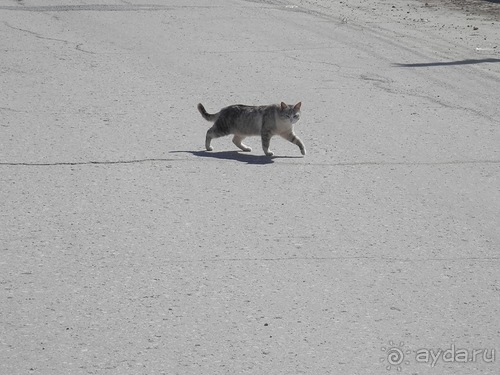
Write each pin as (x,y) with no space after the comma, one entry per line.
(244,121)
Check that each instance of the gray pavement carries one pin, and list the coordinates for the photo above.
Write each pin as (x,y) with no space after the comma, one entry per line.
(128,249)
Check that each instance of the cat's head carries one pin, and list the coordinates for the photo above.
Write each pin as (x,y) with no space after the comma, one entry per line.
(290,112)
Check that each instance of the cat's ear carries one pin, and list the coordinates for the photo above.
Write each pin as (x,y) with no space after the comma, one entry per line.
(297,106)
(283,106)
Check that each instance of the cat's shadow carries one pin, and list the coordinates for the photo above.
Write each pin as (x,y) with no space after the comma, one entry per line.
(240,156)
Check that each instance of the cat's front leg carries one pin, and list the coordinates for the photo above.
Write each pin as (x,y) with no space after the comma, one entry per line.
(266,140)
(295,140)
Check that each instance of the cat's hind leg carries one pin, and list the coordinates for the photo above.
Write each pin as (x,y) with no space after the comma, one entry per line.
(295,140)
(237,139)
(213,132)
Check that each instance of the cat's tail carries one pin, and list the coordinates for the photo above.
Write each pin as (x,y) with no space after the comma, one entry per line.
(207,116)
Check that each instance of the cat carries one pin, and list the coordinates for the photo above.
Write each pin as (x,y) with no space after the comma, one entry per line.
(243,121)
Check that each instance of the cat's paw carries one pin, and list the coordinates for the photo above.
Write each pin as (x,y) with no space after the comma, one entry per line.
(210,148)
(247,149)
(303,151)
(269,153)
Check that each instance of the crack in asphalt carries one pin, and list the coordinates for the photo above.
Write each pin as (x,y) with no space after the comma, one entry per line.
(79,48)
(100,7)
(244,158)
(13,110)
(39,36)
(268,50)
(361,257)
(36,35)
(106,162)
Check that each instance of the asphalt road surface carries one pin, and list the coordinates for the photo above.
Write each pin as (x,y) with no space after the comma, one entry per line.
(125,248)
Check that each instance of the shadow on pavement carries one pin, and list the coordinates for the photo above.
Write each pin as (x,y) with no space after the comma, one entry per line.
(237,156)
(448,63)
(231,155)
